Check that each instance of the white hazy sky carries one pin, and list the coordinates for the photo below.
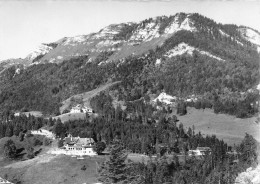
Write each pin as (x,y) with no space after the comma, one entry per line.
(26,24)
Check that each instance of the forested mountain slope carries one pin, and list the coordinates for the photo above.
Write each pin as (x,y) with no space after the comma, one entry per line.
(183,54)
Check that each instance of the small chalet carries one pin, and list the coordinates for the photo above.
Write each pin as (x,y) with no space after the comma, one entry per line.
(200,151)
(166,99)
(79,146)
(81,109)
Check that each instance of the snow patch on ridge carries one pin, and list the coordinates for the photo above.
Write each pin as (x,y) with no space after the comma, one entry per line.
(76,39)
(108,32)
(223,33)
(250,35)
(150,31)
(239,42)
(107,43)
(226,35)
(188,25)
(183,48)
(175,26)
(41,50)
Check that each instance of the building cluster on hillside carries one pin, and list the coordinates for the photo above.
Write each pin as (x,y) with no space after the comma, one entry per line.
(172,100)
(81,109)
(76,146)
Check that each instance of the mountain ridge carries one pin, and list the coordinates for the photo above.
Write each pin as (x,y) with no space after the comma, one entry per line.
(125,39)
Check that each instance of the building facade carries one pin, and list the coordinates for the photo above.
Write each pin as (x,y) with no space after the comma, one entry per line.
(81,109)
(200,151)
(79,146)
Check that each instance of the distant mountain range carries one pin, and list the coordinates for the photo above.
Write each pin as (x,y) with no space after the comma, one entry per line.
(233,50)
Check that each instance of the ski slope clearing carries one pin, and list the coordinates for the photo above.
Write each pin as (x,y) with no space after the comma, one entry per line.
(84,98)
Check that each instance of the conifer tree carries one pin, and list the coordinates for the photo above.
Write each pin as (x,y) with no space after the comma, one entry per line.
(248,149)
(9,131)
(10,149)
(59,129)
(30,151)
(114,169)
(2,131)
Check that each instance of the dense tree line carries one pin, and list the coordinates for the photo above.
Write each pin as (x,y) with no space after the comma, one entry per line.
(235,104)
(157,135)
(163,137)
(152,134)
(16,125)
(165,169)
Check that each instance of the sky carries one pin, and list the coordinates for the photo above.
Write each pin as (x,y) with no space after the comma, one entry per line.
(24,25)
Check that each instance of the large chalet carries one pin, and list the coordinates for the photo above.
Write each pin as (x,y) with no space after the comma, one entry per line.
(79,146)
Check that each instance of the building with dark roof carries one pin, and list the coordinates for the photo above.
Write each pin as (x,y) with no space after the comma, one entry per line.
(79,146)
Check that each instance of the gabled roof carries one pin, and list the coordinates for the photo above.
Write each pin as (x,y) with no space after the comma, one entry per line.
(85,141)
(70,140)
(204,148)
(78,140)
(67,140)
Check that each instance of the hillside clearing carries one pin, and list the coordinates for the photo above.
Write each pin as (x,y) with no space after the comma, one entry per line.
(70,117)
(232,130)
(84,98)
(33,113)
(50,169)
